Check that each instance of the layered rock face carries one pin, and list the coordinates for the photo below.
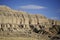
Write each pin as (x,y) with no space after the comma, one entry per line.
(17,23)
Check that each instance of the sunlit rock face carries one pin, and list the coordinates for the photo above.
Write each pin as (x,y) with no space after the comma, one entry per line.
(17,23)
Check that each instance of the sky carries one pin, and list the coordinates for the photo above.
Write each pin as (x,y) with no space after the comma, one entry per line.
(48,8)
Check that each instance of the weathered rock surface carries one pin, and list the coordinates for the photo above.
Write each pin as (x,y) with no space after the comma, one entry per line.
(17,23)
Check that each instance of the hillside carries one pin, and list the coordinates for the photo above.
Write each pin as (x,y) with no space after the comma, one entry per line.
(17,24)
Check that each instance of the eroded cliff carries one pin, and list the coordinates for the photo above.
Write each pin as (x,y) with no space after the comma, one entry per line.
(21,24)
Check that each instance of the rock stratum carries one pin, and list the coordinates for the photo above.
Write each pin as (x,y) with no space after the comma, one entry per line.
(21,24)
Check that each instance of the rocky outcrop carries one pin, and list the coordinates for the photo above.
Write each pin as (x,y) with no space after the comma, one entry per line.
(17,23)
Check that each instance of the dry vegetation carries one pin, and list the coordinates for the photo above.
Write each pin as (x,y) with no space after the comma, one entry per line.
(16,38)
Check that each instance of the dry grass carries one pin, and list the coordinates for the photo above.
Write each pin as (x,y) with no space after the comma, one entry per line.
(16,38)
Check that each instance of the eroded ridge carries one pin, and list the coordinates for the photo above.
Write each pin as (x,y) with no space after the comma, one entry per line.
(16,23)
